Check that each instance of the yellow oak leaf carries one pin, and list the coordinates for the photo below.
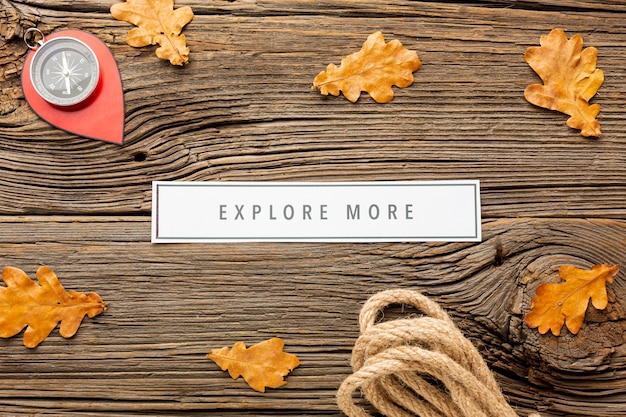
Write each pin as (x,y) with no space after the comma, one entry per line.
(374,69)
(42,306)
(157,23)
(566,302)
(570,79)
(262,365)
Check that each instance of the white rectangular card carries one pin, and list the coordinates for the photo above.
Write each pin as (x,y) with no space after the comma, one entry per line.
(418,211)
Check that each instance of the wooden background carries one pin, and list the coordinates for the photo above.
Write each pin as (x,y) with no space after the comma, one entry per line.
(243,109)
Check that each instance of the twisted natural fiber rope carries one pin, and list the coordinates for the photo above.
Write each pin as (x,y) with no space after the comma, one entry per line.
(419,367)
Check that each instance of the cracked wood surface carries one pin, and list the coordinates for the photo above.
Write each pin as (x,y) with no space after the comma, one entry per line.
(243,110)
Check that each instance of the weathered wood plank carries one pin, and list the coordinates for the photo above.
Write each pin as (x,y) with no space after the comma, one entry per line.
(243,110)
(168,305)
(269,7)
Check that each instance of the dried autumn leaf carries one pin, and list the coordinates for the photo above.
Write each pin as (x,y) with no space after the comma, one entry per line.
(570,79)
(374,69)
(42,306)
(157,22)
(262,365)
(567,302)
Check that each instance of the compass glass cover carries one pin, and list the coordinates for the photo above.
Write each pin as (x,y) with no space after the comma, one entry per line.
(64,71)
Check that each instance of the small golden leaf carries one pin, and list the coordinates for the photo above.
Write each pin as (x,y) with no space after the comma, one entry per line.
(40,307)
(570,79)
(157,22)
(566,302)
(262,365)
(374,69)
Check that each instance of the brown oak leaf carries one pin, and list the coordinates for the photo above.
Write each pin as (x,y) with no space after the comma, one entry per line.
(570,79)
(374,69)
(262,365)
(42,306)
(566,302)
(157,22)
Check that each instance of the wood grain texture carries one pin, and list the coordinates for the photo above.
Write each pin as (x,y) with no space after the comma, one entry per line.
(169,305)
(243,109)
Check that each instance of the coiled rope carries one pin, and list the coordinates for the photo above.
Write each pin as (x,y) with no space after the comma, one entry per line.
(418,366)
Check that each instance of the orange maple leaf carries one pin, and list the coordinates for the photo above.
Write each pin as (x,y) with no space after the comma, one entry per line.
(374,69)
(570,79)
(566,302)
(24,303)
(262,365)
(157,22)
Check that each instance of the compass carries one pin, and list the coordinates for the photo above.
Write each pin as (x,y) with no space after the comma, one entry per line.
(64,71)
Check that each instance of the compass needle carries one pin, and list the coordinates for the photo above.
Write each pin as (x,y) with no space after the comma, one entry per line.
(66,74)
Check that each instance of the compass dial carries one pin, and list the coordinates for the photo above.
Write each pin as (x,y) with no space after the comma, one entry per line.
(64,71)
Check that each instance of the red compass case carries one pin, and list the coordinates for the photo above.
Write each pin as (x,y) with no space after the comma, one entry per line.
(101,115)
